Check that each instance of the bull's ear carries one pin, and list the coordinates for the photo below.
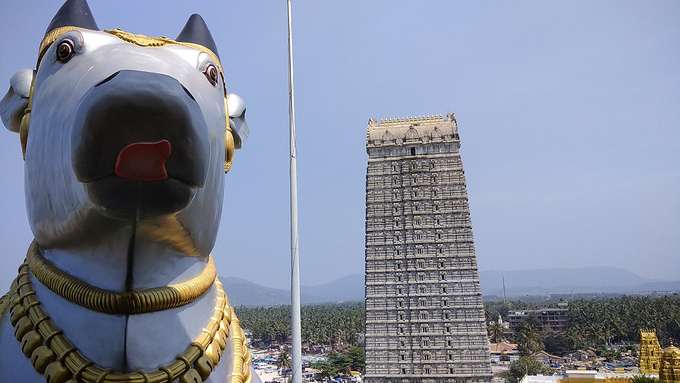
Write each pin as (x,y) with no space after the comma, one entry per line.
(237,119)
(74,13)
(196,32)
(15,102)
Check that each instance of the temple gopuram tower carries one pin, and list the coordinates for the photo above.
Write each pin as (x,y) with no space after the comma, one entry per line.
(424,313)
(650,352)
(669,371)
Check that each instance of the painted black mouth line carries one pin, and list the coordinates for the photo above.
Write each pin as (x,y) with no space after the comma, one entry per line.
(113,175)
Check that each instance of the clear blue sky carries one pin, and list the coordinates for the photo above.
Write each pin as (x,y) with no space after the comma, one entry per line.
(569,115)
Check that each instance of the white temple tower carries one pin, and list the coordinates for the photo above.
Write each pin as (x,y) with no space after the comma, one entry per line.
(424,312)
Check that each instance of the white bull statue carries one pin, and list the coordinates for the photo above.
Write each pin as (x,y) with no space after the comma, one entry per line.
(126,140)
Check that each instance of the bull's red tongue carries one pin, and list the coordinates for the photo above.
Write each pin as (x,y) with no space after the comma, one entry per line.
(143,161)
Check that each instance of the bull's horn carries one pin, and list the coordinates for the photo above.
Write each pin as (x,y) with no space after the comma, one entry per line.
(74,13)
(196,32)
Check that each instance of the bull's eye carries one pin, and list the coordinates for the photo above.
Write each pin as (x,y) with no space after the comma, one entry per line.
(65,50)
(211,74)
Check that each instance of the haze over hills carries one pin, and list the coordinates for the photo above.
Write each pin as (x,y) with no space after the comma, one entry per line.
(246,293)
(517,283)
(565,281)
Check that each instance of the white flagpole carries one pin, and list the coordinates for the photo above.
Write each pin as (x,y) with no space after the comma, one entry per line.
(296,365)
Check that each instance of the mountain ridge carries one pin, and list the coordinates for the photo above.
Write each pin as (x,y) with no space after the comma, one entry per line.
(559,280)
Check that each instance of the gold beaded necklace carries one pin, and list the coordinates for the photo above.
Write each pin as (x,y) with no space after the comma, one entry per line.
(55,357)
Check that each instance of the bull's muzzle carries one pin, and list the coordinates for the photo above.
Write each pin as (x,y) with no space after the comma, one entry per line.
(140,144)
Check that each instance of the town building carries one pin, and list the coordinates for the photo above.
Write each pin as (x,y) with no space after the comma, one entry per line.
(553,320)
(503,352)
(582,376)
(548,359)
(424,313)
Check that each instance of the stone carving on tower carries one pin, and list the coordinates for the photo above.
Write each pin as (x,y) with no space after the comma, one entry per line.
(424,312)
(126,139)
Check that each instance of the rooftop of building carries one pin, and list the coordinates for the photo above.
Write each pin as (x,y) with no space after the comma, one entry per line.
(405,130)
(502,347)
(583,376)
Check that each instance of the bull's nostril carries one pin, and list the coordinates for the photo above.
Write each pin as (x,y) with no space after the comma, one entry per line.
(107,79)
(188,93)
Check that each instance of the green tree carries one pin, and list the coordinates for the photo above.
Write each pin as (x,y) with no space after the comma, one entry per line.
(529,337)
(496,331)
(492,309)
(357,357)
(559,344)
(592,322)
(573,334)
(526,365)
(353,359)
(334,365)
(645,379)
(284,359)
(620,319)
(534,321)
(330,324)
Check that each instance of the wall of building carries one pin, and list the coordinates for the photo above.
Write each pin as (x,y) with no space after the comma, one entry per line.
(424,312)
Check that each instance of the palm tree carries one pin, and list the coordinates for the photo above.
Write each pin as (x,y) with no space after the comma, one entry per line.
(284,361)
(529,339)
(575,337)
(496,331)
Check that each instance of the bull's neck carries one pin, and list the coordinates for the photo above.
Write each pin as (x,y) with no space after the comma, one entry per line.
(126,261)
(129,342)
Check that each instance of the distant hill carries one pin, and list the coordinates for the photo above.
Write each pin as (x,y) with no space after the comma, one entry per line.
(517,283)
(566,281)
(349,288)
(245,293)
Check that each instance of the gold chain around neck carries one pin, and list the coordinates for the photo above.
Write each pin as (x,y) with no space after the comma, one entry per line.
(111,302)
(55,357)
